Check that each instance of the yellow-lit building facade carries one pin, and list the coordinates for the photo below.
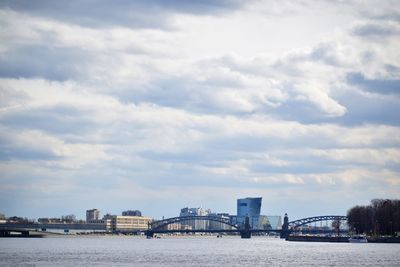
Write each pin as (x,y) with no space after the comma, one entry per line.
(126,223)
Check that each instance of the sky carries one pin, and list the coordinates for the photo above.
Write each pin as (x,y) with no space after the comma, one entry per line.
(158,105)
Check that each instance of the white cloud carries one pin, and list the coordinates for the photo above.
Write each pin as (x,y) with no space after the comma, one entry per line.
(271,94)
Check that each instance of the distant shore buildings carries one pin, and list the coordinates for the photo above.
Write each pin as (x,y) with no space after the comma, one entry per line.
(129,221)
(132,220)
(246,207)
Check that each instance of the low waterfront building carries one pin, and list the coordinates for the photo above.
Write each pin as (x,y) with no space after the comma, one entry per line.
(96,221)
(50,220)
(117,223)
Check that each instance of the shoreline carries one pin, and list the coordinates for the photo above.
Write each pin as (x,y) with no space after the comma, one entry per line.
(341,239)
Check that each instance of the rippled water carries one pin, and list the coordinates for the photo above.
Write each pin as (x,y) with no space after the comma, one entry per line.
(191,251)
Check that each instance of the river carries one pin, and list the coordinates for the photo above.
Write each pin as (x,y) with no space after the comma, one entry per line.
(190,251)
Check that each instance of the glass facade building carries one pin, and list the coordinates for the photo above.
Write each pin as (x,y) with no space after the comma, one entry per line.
(251,207)
(275,221)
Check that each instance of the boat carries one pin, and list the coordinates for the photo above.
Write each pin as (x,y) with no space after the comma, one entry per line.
(358,239)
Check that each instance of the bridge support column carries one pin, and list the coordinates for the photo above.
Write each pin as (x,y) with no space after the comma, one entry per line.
(4,233)
(246,232)
(285,227)
(25,233)
(149,234)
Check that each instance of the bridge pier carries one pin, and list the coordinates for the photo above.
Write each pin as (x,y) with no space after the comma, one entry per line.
(285,227)
(149,234)
(246,232)
(4,233)
(25,233)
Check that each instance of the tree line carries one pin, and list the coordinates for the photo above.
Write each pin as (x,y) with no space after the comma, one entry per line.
(381,217)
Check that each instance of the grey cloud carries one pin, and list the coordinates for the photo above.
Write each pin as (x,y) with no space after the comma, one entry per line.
(158,171)
(254,144)
(10,150)
(59,120)
(135,13)
(52,63)
(299,110)
(325,53)
(376,31)
(388,11)
(186,93)
(364,109)
(313,166)
(213,159)
(379,86)
(361,109)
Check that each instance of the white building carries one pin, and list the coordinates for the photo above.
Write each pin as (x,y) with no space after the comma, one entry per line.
(214,225)
(92,215)
(195,224)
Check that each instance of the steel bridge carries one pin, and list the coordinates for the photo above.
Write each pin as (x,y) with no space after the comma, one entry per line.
(161,226)
(297,223)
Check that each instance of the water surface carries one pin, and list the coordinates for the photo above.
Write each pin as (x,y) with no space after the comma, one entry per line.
(191,251)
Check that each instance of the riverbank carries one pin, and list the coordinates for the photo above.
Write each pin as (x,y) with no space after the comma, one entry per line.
(306,238)
(12,234)
(383,239)
(339,239)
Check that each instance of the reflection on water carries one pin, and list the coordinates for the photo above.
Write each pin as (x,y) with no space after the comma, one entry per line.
(191,251)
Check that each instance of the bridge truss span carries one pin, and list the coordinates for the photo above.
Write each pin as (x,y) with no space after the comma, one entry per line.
(161,224)
(300,222)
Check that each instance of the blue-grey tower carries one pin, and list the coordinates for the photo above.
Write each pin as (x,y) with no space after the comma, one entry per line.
(249,207)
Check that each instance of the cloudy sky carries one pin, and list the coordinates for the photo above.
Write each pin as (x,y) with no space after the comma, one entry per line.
(157,105)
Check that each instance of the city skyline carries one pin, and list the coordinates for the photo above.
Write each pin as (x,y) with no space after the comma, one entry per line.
(157,105)
(95,214)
